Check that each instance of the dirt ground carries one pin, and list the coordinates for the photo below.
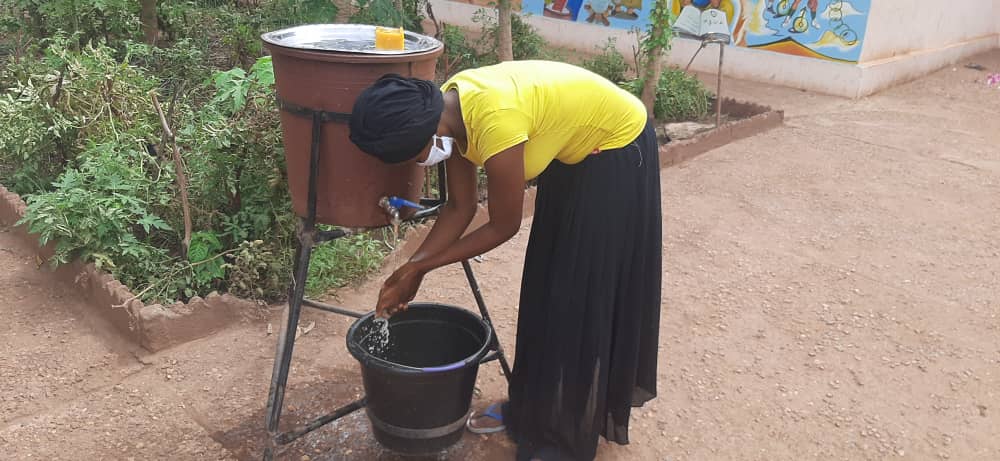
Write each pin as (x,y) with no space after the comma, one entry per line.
(830,292)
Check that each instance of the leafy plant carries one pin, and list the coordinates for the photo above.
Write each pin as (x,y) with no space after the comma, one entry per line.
(259,270)
(653,44)
(408,14)
(182,62)
(234,85)
(295,12)
(679,96)
(528,43)
(84,95)
(204,246)
(102,211)
(610,63)
(80,139)
(33,138)
(104,21)
(459,54)
(336,263)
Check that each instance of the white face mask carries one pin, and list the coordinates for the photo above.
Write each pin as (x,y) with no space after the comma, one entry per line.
(438,154)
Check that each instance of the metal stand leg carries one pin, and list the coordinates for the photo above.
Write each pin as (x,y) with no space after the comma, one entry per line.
(700,47)
(722,40)
(286,339)
(307,238)
(718,89)
(486,316)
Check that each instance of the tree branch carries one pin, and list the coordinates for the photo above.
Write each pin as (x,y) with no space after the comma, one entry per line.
(181,176)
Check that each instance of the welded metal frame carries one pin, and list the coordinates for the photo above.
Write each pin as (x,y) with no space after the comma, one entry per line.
(307,238)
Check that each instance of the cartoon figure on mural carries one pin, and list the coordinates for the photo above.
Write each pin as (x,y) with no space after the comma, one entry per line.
(602,11)
(821,29)
(627,9)
(787,9)
(599,11)
(562,9)
(618,14)
(831,29)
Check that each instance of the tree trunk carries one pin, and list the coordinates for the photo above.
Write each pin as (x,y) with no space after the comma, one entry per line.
(181,173)
(654,67)
(505,41)
(658,41)
(149,23)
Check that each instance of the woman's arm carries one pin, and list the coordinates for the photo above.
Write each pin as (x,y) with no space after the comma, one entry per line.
(505,185)
(457,213)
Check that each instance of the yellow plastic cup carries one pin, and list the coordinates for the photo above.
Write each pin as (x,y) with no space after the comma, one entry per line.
(388,38)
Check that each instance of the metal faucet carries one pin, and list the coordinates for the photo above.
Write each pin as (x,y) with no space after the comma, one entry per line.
(386,204)
(391,205)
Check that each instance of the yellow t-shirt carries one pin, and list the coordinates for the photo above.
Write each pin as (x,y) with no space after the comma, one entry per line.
(560,111)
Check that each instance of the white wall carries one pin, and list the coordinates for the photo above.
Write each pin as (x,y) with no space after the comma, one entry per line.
(900,27)
(902,42)
(745,63)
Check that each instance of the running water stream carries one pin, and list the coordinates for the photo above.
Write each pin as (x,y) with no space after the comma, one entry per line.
(378,338)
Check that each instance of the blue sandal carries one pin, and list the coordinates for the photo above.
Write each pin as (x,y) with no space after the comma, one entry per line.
(493,411)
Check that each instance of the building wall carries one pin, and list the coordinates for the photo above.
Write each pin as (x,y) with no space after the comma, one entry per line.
(904,44)
(896,28)
(850,48)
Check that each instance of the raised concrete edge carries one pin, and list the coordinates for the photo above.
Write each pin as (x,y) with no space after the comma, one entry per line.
(154,327)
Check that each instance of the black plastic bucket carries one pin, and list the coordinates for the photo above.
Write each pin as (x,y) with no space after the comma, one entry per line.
(419,388)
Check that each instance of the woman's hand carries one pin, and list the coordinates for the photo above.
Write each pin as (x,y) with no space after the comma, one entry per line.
(398,290)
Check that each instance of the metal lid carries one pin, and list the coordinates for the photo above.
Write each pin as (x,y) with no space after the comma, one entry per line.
(345,38)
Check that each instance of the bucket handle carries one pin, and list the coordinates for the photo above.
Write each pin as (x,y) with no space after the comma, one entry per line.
(494,355)
(454,366)
(449,367)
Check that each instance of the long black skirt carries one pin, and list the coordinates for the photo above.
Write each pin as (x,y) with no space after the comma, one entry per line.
(588,325)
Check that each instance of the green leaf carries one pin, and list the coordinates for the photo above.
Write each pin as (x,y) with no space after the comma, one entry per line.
(203,245)
(152,221)
(263,71)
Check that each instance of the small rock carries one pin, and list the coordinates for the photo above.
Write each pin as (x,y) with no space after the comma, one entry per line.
(685,130)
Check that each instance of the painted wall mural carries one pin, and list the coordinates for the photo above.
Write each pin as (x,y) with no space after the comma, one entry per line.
(826,29)
(620,14)
(822,29)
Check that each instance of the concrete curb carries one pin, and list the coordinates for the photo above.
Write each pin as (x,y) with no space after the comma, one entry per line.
(157,327)
(154,327)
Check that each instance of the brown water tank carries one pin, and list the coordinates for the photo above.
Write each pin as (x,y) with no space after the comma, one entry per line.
(325,67)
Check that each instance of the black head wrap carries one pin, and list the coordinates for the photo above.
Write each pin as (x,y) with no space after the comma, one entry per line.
(395,118)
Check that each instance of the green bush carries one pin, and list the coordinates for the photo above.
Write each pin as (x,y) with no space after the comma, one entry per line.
(33,138)
(81,141)
(527,42)
(459,54)
(609,64)
(337,263)
(104,210)
(82,97)
(183,62)
(104,21)
(679,96)
(385,13)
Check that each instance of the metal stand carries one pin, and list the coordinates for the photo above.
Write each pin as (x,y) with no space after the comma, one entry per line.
(308,236)
(722,40)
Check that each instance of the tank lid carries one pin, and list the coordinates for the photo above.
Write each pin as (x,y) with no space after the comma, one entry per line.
(345,38)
